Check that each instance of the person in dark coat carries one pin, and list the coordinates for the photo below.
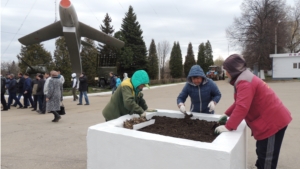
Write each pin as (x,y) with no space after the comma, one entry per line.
(20,90)
(83,87)
(54,96)
(7,83)
(204,93)
(113,82)
(40,93)
(12,90)
(3,101)
(27,90)
(34,89)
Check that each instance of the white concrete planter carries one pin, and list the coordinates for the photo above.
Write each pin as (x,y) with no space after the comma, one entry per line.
(110,146)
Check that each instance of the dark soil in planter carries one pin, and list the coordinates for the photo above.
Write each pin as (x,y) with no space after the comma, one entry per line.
(192,129)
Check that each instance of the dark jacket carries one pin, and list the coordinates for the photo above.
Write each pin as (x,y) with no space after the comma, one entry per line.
(21,84)
(200,95)
(83,84)
(113,82)
(7,82)
(34,86)
(17,85)
(27,85)
(3,80)
(12,86)
(40,88)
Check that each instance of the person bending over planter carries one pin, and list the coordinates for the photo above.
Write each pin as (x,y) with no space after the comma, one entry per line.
(262,110)
(128,98)
(203,92)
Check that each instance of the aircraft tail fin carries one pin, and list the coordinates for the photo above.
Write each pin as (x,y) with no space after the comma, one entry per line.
(49,32)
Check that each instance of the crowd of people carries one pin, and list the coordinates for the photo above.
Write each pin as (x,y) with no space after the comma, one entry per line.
(43,93)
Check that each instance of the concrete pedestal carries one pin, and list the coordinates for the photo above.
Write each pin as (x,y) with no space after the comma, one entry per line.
(110,146)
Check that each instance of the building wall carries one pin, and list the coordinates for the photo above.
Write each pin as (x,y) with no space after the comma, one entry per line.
(283,67)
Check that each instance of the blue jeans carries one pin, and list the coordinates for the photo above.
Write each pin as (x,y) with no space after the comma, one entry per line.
(27,97)
(114,89)
(84,93)
(12,96)
(19,95)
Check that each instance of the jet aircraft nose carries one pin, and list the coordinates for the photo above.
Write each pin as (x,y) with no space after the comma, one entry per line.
(65,3)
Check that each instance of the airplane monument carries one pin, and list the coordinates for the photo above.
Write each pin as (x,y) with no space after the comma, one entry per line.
(72,30)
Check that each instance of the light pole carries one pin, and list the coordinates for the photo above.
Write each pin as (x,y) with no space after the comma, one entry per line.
(159,67)
(276,36)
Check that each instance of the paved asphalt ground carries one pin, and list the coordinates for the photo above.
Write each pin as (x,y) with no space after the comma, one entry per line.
(31,141)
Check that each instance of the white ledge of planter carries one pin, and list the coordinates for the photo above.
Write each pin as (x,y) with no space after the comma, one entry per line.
(110,146)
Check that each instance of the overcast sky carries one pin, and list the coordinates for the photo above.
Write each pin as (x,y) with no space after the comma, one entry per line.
(194,21)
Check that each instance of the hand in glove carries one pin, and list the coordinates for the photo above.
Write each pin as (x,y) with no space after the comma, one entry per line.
(211,106)
(223,119)
(181,108)
(221,129)
(144,114)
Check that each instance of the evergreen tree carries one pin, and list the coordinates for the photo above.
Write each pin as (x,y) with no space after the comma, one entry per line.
(89,61)
(201,56)
(172,59)
(124,56)
(107,53)
(132,34)
(176,61)
(34,55)
(209,61)
(62,60)
(152,61)
(107,28)
(189,60)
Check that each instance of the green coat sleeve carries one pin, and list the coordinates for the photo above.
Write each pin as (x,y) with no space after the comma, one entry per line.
(129,101)
(142,102)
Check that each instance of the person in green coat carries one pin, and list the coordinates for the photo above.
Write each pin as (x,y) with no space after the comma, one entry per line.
(128,98)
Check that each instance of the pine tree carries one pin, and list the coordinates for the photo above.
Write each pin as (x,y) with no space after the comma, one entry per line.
(89,61)
(189,60)
(107,53)
(62,60)
(34,55)
(201,56)
(152,61)
(132,34)
(124,56)
(209,61)
(176,61)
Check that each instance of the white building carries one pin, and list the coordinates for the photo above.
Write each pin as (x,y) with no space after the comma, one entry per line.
(286,65)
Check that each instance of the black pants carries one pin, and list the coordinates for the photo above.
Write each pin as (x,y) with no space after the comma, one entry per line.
(40,100)
(268,150)
(3,101)
(35,100)
(28,97)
